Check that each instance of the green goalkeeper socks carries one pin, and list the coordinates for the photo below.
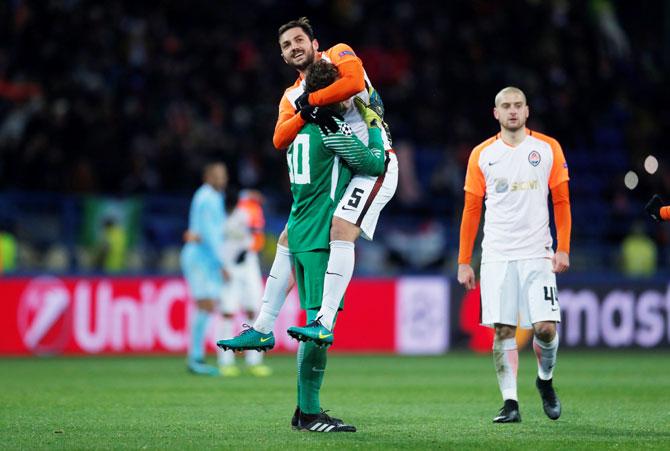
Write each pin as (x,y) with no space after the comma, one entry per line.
(312,361)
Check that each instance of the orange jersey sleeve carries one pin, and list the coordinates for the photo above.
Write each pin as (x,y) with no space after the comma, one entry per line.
(472,213)
(475,182)
(288,125)
(560,197)
(351,81)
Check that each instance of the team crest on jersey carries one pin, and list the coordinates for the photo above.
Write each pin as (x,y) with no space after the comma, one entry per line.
(346,129)
(534,158)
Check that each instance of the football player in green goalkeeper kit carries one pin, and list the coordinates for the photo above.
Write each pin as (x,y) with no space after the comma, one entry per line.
(320,168)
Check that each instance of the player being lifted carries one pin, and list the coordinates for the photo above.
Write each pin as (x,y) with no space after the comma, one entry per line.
(656,210)
(361,204)
(318,182)
(514,171)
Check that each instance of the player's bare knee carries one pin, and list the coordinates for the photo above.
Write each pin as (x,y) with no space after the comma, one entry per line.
(283,238)
(504,332)
(342,230)
(545,331)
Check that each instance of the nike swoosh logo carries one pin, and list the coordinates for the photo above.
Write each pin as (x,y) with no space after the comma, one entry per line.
(491,163)
(263,340)
(334,273)
(320,370)
(322,336)
(554,309)
(348,209)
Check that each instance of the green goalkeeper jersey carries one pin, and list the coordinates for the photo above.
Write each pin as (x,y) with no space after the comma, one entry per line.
(320,167)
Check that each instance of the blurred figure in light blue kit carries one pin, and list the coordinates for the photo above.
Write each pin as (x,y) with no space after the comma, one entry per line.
(202,261)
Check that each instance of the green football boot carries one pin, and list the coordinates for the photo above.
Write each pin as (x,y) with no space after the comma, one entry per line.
(313,331)
(248,339)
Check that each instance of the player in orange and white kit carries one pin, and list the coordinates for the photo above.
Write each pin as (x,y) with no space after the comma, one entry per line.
(513,173)
(244,237)
(656,210)
(365,197)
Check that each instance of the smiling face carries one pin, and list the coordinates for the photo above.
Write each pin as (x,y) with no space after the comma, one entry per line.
(511,109)
(297,49)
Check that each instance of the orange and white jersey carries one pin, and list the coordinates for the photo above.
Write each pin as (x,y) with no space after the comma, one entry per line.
(515,182)
(338,54)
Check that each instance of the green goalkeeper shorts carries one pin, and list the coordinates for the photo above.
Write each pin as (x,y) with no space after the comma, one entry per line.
(310,270)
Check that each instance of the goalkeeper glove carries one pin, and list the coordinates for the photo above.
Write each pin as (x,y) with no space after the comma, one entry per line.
(302,101)
(323,117)
(653,207)
(371,116)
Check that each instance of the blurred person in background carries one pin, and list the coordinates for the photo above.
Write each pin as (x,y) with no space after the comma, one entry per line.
(244,238)
(203,261)
(366,196)
(514,171)
(112,253)
(638,253)
(7,248)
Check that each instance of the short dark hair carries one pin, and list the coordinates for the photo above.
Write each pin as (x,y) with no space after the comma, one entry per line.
(319,75)
(303,23)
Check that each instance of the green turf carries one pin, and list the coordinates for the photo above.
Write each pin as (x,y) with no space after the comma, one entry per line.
(610,399)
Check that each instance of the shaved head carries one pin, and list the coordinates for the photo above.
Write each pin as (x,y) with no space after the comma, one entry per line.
(509,90)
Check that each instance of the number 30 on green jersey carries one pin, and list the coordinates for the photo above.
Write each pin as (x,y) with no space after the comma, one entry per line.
(298,161)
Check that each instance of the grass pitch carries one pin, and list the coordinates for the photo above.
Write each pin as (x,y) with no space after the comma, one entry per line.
(610,400)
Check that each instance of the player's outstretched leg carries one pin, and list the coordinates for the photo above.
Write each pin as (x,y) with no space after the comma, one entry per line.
(276,285)
(248,339)
(313,331)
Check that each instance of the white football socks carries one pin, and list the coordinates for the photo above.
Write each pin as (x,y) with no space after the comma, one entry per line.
(337,278)
(546,357)
(506,360)
(275,290)
(225,358)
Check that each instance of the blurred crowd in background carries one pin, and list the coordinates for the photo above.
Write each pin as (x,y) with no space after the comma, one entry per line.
(109,110)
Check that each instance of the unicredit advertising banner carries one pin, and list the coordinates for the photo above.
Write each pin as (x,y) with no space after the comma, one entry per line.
(409,315)
(50,315)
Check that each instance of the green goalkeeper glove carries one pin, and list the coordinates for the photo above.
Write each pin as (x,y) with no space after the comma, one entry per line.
(370,116)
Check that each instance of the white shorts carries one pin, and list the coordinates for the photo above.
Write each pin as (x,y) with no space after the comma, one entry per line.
(366,196)
(245,287)
(519,292)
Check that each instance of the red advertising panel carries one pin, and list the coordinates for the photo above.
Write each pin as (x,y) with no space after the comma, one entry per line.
(50,315)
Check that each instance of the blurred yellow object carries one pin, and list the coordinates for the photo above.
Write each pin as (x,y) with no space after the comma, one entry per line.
(7,252)
(638,254)
(229,371)
(260,370)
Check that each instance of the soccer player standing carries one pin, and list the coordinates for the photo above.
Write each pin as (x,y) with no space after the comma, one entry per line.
(513,173)
(319,179)
(361,204)
(202,261)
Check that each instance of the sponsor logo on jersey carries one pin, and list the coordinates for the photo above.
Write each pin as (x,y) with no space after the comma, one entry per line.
(501,185)
(524,186)
(534,158)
